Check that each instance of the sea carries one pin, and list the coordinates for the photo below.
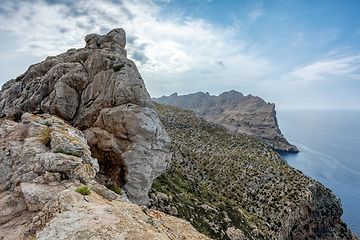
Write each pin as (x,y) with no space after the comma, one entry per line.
(329,144)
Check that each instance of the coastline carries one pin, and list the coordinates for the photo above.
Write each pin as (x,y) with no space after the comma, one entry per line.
(327,144)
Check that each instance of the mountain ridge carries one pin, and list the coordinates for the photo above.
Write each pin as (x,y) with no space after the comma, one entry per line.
(248,115)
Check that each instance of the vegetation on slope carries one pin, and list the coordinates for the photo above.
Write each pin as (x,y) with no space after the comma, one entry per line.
(219,180)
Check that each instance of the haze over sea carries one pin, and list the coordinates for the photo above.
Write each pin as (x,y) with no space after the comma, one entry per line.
(329,144)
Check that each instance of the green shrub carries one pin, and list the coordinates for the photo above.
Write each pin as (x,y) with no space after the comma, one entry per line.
(113,188)
(83,190)
(118,67)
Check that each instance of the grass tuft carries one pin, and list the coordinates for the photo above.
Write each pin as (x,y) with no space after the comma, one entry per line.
(83,190)
(113,188)
(46,136)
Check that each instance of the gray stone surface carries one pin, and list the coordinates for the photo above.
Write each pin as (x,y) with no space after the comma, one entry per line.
(24,156)
(85,86)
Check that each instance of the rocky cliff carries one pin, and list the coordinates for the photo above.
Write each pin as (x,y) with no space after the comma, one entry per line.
(231,186)
(44,164)
(237,113)
(98,90)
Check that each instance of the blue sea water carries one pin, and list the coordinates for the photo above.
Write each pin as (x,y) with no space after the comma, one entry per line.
(329,144)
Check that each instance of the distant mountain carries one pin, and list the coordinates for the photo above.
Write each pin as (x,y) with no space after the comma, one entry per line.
(247,115)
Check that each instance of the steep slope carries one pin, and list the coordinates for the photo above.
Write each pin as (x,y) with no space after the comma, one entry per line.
(43,164)
(99,90)
(237,113)
(227,184)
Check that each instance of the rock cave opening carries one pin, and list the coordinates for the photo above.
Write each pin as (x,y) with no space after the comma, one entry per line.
(112,169)
(113,173)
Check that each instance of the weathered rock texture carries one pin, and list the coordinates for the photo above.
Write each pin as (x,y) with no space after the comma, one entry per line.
(237,113)
(98,90)
(93,217)
(43,143)
(43,161)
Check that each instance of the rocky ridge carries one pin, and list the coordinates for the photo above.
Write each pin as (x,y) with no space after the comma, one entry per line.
(99,91)
(43,162)
(231,186)
(237,113)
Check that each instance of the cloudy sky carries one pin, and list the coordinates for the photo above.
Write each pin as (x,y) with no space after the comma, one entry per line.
(295,53)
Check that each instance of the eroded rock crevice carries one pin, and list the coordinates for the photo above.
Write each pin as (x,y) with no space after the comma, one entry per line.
(112,169)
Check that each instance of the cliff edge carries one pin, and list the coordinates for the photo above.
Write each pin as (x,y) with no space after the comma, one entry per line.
(231,186)
(237,113)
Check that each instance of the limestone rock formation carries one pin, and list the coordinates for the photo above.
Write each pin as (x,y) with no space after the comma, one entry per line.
(237,113)
(93,217)
(43,143)
(43,160)
(98,90)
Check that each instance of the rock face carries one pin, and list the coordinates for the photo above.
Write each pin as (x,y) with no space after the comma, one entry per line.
(97,218)
(43,161)
(43,143)
(237,113)
(98,90)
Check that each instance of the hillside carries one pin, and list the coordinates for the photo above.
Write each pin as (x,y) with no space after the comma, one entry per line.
(248,115)
(226,184)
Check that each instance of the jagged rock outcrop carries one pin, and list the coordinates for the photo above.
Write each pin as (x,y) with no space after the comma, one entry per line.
(43,161)
(98,90)
(237,113)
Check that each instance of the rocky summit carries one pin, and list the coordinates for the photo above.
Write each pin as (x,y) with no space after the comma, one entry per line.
(81,142)
(237,113)
(98,90)
(44,167)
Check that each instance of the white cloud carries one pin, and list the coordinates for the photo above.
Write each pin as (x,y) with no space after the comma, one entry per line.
(340,68)
(166,50)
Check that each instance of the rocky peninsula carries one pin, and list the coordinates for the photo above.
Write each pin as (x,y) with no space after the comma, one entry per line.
(248,115)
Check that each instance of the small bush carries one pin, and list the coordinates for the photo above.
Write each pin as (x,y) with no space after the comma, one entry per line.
(46,137)
(83,190)
(113,188)
(118,67)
